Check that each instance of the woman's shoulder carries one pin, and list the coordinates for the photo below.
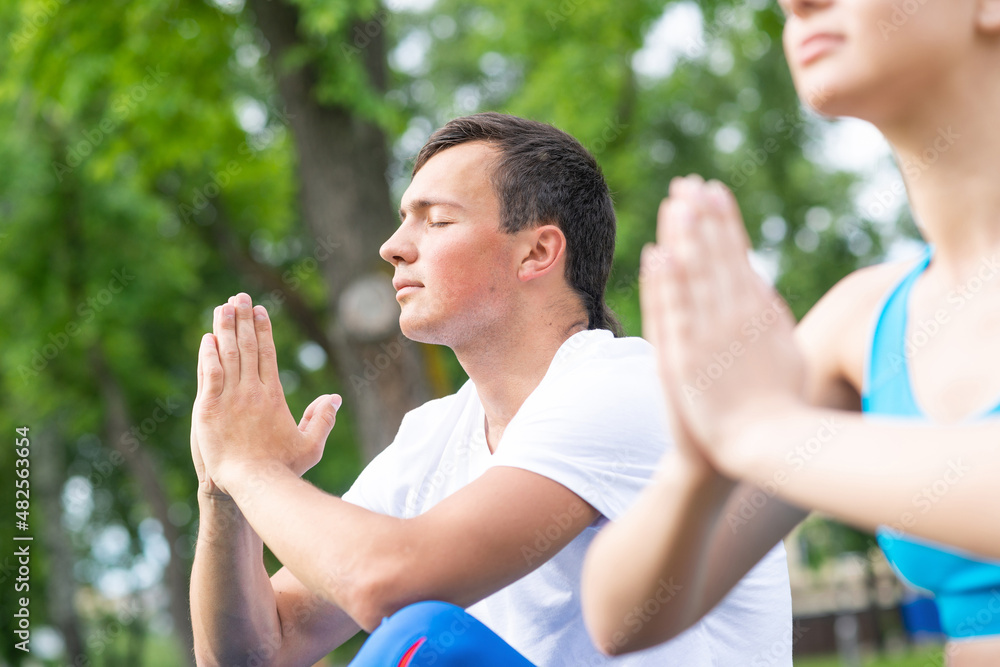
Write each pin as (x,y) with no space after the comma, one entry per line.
(861,291)
(835,334)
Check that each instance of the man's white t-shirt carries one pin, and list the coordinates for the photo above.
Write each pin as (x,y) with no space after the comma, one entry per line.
(596,424)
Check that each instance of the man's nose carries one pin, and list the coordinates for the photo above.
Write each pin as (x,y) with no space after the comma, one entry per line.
(399,247)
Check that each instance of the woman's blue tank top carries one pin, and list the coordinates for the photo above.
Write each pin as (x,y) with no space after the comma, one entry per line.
(966,589)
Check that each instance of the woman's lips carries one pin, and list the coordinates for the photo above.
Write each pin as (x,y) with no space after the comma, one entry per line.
(815,47)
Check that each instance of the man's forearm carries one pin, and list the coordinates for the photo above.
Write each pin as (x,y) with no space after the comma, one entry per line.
(342,552)
(233,608)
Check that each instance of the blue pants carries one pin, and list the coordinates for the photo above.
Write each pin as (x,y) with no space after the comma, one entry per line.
(439,634)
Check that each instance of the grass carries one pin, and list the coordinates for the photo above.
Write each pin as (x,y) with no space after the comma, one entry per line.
(159,651)
(930,656)
(164,651)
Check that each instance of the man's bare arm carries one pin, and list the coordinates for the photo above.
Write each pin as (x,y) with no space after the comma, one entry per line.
(369,565)
(230,589)
(468,546)
(238,613)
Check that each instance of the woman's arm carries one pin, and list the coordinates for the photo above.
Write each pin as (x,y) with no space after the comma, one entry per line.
(685,540)
(754,422)
(686,546)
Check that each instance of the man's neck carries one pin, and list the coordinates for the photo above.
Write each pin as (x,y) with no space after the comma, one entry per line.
(510,366)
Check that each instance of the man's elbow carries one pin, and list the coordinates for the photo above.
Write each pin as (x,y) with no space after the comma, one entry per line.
(375,594)
(368,605)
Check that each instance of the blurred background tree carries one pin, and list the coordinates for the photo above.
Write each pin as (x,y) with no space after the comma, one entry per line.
(158,156)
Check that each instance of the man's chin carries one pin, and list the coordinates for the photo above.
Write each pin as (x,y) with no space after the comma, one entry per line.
(418,331)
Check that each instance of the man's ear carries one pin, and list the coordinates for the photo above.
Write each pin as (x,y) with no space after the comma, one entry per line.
(546,246)
(988,16)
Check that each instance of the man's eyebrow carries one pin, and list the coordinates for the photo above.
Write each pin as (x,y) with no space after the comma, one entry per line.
(427,203)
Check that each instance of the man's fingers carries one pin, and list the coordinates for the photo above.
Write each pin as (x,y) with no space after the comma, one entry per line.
(319,418)
(267,358)
(246,338)
(216,327)
(201,372)
(311,410)
(225,335)
(210,370)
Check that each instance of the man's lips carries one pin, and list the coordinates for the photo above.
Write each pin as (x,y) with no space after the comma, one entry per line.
(816,46)
(404,287)
(406,290)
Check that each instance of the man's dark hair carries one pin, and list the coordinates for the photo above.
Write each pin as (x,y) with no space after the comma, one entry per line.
(544,176)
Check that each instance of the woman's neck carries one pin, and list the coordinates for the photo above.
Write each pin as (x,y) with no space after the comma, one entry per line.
(948,150)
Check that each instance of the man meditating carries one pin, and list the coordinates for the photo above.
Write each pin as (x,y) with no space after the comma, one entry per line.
(487,499)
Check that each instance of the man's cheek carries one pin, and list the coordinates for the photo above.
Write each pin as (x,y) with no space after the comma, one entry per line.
(465,294)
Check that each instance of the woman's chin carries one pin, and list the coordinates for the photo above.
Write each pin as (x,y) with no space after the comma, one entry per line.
(833,96)
(828,99)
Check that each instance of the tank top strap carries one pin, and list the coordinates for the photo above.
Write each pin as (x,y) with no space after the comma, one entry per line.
(886,387)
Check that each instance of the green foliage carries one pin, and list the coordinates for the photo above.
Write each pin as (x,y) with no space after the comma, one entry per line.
(124,158)
(822,538)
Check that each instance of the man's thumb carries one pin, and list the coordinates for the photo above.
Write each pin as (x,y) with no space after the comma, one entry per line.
(320,420)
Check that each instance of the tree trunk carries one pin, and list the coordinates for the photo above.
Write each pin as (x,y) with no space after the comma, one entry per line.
(345,201)
(60,594)
(143,471)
